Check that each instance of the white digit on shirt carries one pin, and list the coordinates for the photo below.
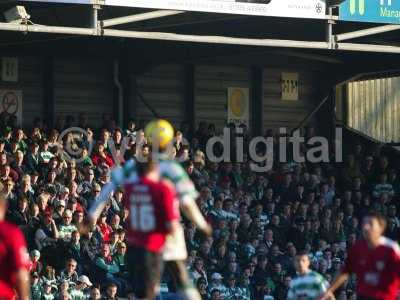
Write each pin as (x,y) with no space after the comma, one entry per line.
(147,220)
(142,213)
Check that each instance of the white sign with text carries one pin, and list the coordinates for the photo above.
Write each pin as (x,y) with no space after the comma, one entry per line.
(312,9)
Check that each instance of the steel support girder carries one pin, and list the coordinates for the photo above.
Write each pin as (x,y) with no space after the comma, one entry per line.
(214,39)
(365,32)
(195,38)
(368,48)
(163,36)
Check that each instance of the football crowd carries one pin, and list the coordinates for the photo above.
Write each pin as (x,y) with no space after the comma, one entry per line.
(260,220)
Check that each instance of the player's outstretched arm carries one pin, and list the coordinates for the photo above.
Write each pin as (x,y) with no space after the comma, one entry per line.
(96,209)
(193,213)
(22,284)
(187,194)
(100,202)
(339,280)
(119,175)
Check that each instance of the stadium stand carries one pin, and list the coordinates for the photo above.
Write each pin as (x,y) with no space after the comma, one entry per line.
(260,220)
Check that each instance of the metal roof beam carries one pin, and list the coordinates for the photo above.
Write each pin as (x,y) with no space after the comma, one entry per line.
(48,29)
(214,39)
(365,32)
(368,48)
(139,17)
(197,38)
(163,36)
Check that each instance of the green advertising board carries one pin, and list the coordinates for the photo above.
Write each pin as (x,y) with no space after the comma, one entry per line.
(373,11)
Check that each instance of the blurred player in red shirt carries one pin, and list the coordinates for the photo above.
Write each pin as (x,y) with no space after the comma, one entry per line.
(14,258)
(153,214)
(376,262)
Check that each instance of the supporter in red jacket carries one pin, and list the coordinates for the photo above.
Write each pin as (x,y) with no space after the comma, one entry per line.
(101,157)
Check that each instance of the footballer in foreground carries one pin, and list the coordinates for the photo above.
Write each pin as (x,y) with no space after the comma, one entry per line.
(376,262)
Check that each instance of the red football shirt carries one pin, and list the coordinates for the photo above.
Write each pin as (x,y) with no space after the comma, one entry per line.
(106,231)
(377,269)
(13,256)
(151,206)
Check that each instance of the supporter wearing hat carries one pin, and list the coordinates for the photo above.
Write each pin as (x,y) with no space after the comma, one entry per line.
(216,277)
(59,207)
(36,287)
(35,264)
(48,293)
(81,289)
(217,284)
(34,181)
(83,279)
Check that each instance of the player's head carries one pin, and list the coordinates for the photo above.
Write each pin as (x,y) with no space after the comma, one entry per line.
(3,202)
(374,225)
(159,134)
(146,167)
(302,262)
